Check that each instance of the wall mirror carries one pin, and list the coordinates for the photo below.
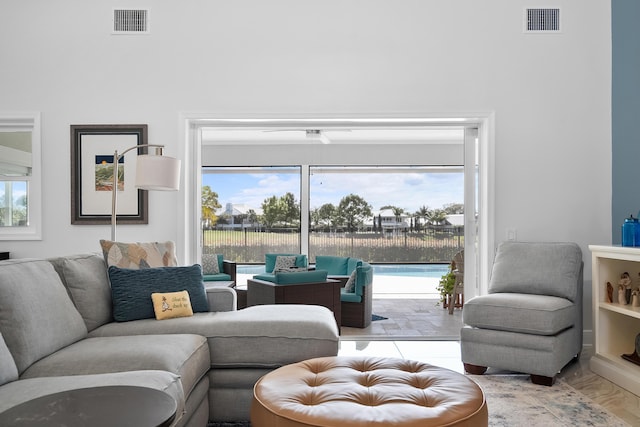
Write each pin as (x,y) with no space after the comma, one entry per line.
(20,176)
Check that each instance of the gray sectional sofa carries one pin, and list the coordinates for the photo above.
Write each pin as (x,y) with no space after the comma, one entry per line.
(57,333)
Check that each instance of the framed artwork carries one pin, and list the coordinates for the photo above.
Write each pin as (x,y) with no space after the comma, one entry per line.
(92,153)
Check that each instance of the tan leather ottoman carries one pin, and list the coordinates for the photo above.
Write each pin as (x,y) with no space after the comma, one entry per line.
(366,391)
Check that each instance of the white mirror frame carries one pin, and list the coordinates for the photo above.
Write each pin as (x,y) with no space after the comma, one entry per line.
(27,121)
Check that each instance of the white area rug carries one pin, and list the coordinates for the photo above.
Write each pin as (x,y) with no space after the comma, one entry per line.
(513,400)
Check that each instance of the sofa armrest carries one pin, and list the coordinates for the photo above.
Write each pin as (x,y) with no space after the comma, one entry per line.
(221,298)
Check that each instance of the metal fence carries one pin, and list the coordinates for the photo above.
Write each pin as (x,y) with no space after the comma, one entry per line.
(433,245)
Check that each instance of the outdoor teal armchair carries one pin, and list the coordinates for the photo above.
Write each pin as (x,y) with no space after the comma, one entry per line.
(356,301)
(226,270)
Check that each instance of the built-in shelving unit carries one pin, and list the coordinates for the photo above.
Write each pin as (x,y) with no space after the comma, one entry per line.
(616,325)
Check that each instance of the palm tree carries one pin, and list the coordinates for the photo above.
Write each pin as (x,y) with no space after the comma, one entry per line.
(423,212)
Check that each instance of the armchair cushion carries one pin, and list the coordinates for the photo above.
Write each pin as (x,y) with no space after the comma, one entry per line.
(353,263)
(364,277)
(523,313)
(270,261)
(335,265)
(537,268)
(349,296)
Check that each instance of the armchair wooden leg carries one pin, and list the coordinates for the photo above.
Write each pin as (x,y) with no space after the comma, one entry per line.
(542,380)
(474,369)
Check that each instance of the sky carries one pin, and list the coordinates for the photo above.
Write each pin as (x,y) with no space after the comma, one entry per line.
(409,191)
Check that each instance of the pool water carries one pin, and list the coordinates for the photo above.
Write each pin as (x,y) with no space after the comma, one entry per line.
(411,270)
(404,270)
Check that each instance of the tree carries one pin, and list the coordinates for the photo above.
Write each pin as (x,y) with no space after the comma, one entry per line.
(353,210)
(209,205)
(270,211)
(289,209)
(397,212)
(284,210)
(423,213)
(327,214)
(436,216)
(453,208)
(252,217)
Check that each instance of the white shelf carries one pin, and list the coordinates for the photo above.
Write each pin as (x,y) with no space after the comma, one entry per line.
(626,310)
(615,325)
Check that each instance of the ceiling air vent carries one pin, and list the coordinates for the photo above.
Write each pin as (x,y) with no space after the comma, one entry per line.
(542,20)
(130,21)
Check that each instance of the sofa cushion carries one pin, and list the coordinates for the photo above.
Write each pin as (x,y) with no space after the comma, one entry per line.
(291,278)
(186,355)
(212,263)
(270,261)
(8,369)
(139,255)
(131,289)
(170,305)
(86,279)
(537,268)
(522,313)
(335,265)
(37,316)
(259,336)
(25,390)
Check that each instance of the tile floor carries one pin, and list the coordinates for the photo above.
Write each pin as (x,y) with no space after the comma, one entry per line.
(418,329)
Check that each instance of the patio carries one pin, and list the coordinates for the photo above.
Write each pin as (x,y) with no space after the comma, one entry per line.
(411,307)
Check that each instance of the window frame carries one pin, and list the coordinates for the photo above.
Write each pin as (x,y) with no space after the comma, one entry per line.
(479,127)
(27,121)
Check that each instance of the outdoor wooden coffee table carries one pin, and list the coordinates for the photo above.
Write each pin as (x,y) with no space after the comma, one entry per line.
(96,407)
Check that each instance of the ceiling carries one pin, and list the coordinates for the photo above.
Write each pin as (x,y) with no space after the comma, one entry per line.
(349,136)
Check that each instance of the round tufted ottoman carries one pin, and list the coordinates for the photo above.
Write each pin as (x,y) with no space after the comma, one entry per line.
(366,391)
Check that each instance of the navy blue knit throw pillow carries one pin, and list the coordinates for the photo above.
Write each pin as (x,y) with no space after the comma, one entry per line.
(131,289)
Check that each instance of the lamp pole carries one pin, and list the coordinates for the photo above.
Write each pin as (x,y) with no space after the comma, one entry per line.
(114,190)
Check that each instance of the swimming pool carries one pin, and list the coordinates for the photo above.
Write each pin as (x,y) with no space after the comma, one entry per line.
(404,270)
(411,270)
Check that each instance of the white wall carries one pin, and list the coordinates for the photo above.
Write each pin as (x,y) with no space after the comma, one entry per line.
(550,92)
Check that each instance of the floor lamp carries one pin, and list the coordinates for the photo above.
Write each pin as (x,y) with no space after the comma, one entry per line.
(153,172)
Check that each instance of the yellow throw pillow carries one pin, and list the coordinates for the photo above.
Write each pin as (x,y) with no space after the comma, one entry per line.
(171,304)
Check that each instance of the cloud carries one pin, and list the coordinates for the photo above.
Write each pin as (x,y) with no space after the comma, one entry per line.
(409,191)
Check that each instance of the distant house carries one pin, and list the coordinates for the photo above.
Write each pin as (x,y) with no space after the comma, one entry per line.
(387,220)
(237,216)
(456,220)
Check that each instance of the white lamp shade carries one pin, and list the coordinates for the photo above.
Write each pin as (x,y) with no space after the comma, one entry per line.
(157,173)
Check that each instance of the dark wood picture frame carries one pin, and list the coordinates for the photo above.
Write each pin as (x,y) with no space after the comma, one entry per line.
(91,205)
